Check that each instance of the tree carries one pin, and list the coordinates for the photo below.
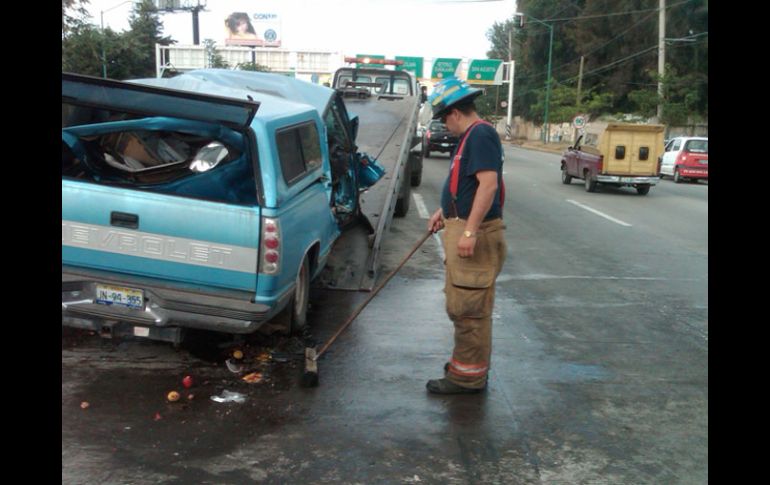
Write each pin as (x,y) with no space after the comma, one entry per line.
(618,41)
(145,32)
(252,66)
(129,54)
(73,15)
(682,97)
(214,59)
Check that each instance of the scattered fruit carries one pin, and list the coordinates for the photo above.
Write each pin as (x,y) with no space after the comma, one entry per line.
(263,357)
(187,382)
(253,378)
(173,396)
(238,354)
(85,405)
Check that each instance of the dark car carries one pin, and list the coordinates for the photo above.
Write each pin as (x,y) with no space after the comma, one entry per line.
(437,139)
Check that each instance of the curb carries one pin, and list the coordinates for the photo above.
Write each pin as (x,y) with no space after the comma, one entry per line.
(538,149)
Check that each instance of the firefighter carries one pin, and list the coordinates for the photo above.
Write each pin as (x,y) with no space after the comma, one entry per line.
(471,215)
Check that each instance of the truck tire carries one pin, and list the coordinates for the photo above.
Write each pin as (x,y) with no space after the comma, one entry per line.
(402,204)
(642,189)
(293,318)
(590,183)
(416,162)
(405,192)
(565,177)
(416,179)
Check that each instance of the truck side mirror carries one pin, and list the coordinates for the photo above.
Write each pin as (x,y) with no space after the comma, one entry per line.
(354,127)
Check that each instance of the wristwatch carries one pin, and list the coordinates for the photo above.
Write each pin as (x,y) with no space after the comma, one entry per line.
(469,234)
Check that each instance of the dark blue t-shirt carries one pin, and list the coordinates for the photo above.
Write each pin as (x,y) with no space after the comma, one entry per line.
(483,151)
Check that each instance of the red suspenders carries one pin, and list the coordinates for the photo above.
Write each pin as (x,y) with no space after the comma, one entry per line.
(454,178)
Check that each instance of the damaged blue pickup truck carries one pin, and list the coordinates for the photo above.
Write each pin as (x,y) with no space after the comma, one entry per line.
(209,200)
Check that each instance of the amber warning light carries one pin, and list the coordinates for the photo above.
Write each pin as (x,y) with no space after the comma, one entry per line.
(367,60)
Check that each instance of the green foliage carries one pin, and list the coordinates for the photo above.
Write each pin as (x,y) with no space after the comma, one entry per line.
(252,66)
(485,104)
(619,51)
(685,97)
(129,54)
(73,15)
(563,106)
(214,58)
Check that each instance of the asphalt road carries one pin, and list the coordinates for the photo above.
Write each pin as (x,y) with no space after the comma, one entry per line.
(599,370)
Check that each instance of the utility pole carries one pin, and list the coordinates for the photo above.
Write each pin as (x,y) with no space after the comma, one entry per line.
(661,57)
(577,99)
(510,86)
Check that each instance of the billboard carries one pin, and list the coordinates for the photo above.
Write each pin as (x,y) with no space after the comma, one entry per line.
(254,30)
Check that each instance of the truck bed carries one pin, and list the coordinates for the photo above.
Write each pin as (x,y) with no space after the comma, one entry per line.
(385,133)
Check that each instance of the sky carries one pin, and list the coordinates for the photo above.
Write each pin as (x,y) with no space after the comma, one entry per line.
(419,28)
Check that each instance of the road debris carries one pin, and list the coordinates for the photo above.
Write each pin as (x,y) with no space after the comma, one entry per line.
(172,396)
(229,396)
(187,382)
(264,357)
(234,367)
(253,378)
(238,354)
(85,405)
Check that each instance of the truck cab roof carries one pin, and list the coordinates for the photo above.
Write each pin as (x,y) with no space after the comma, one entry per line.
(279,96)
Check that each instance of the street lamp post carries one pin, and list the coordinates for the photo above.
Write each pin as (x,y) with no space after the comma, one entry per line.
(104,40)
(546,126)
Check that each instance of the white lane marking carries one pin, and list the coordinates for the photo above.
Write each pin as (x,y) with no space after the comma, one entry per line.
(420,202)
(440,245)
(423,210)
(602,214)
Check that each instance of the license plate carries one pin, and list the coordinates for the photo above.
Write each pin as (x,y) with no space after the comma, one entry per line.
(445,144)
(120,296)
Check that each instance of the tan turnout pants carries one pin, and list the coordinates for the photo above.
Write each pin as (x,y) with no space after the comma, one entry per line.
(470,298)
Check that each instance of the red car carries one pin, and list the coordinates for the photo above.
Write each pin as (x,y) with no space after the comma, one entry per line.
(686,158)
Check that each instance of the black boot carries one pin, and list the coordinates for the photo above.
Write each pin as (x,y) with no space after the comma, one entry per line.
(445,386)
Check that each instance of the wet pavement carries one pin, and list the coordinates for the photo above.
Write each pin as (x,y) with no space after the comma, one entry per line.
(596,380)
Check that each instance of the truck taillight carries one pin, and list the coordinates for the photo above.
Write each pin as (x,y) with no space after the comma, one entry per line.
(682,157)
(600,165)
(271,246)
(427,134)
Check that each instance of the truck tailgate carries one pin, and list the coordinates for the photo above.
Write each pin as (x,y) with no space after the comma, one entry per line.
(159,235)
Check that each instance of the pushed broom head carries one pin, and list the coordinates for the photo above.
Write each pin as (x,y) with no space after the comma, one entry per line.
(310,373)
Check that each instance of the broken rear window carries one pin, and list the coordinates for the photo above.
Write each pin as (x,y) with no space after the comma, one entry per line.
(160,154)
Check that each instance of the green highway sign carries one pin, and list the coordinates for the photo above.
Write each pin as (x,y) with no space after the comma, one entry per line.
(411,64)
(444,67)
(485,71)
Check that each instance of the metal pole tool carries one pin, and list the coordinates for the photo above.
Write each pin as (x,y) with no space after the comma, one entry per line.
(310,374)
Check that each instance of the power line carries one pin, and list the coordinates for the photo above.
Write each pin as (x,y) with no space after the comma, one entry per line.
(614,14)
(653,11)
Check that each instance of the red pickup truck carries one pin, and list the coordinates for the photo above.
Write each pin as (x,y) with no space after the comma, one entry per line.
(623,155)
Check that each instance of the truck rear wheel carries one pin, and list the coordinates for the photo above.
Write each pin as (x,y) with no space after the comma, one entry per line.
(642,189)
(293,318)
(402,204)
(590,184)
(416,162)
(565,177)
